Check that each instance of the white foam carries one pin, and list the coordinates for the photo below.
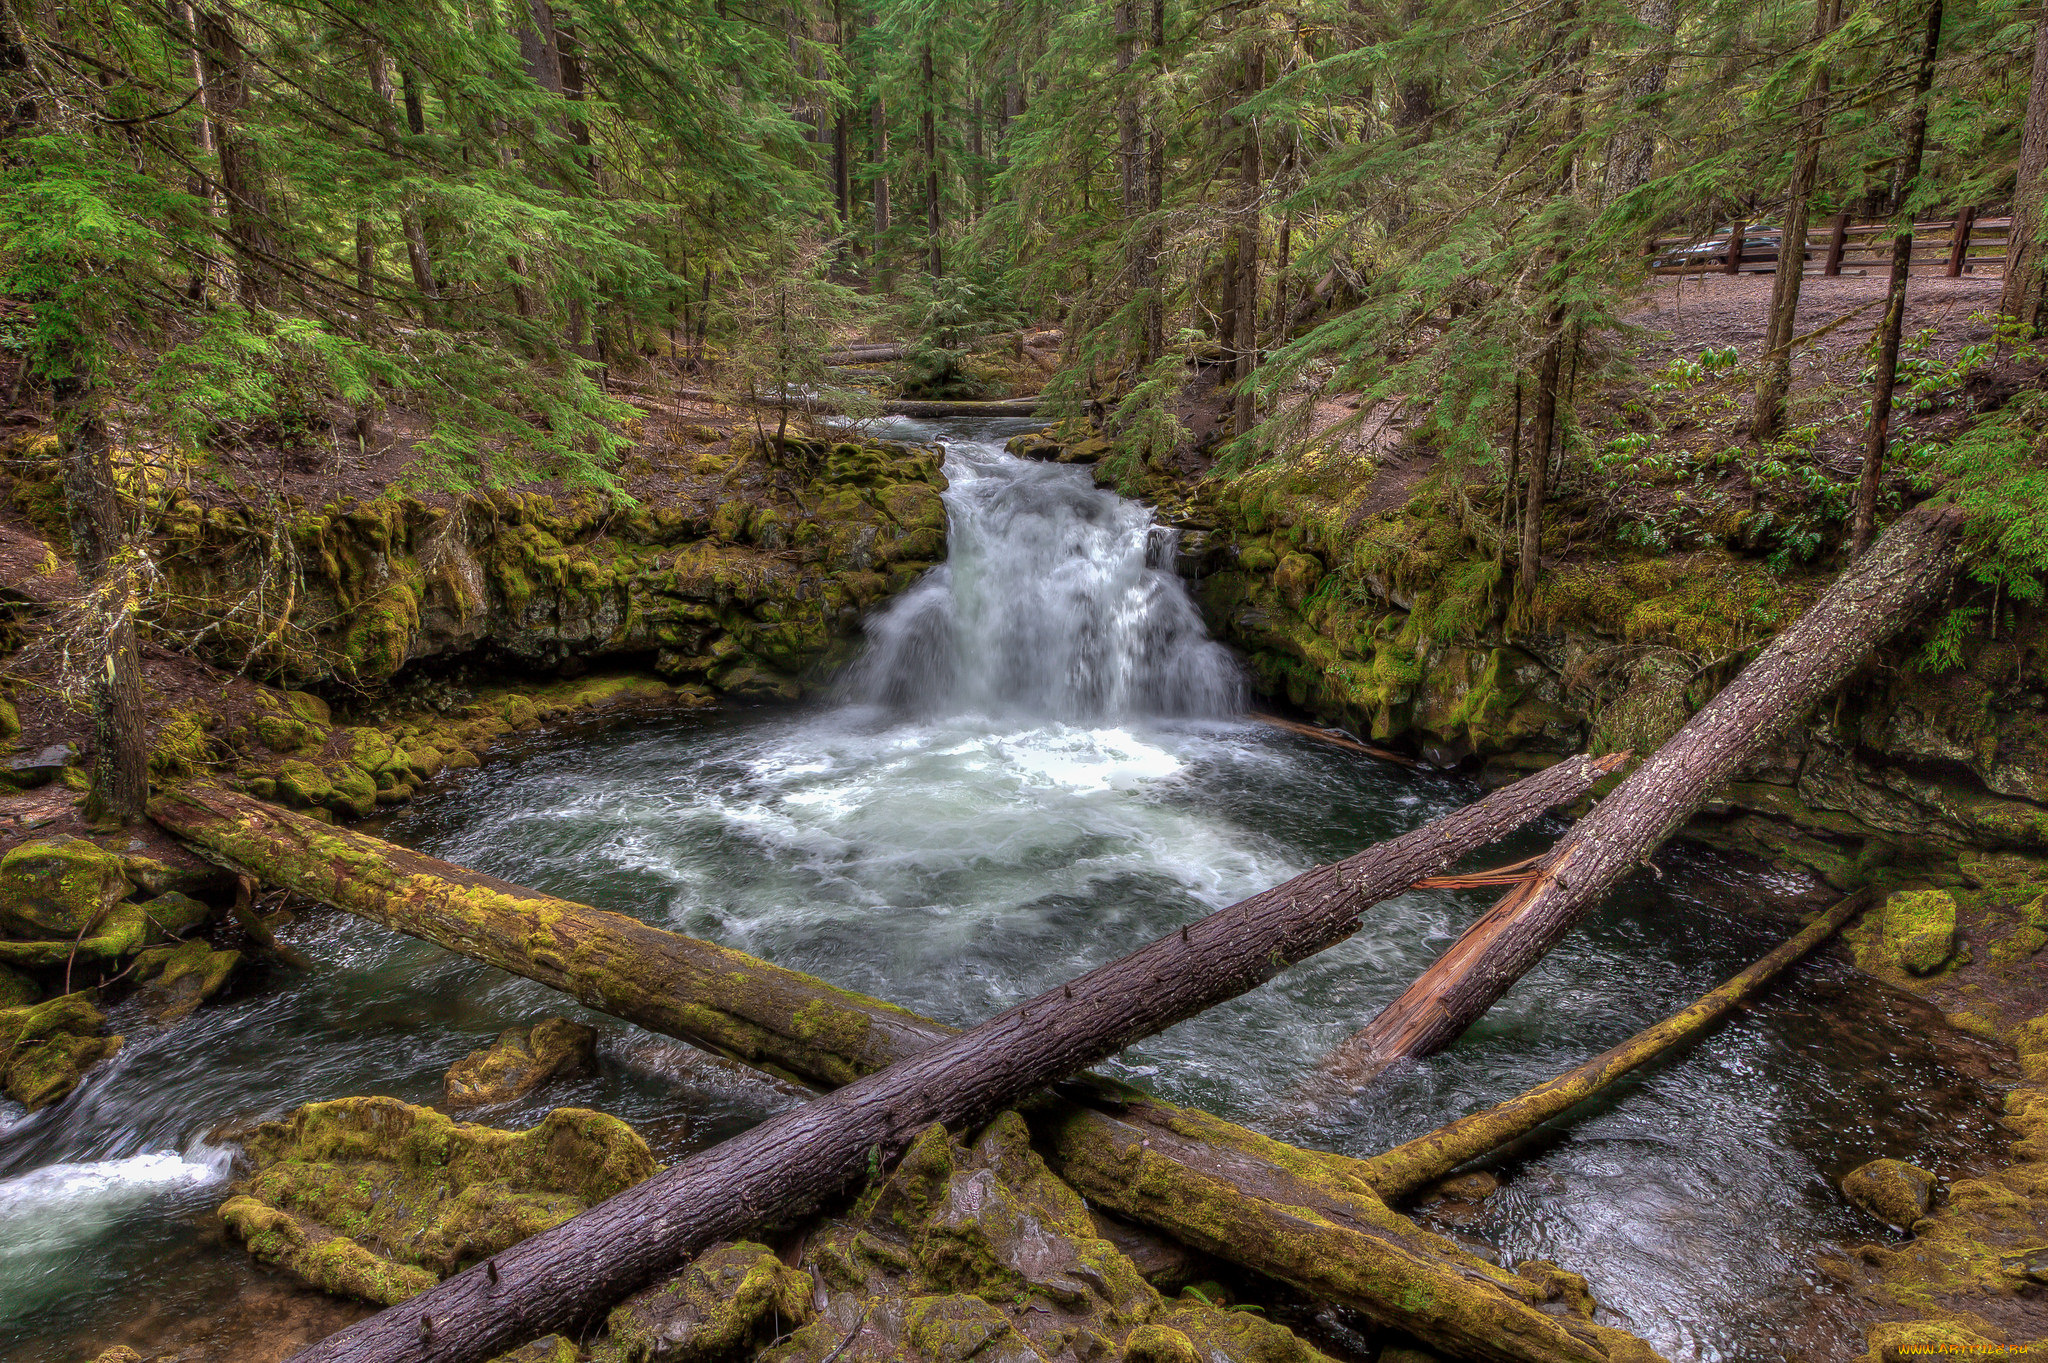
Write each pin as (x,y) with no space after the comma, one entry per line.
(51,1210)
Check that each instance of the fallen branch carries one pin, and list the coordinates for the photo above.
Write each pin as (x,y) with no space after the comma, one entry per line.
(1299,1216)
(1399,1172)
(1909,568)
(1335,740)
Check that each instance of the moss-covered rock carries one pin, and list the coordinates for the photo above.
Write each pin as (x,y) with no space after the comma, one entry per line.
(58,887)
(733,1298)
(520,1061)
(175,980)
(553,1349)
(1893,1191)
(47,1048)
(415,1191)
(1915,1341)
(1920,929)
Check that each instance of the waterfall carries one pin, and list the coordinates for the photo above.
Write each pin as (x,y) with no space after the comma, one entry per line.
(1058,599)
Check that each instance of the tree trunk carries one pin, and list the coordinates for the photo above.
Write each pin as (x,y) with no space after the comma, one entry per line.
(1529,562)
(241,172)
(1403,1170)
(1246,340)
(1909,568)
(1863,521)
(1633,149)
(935,262)
(1131,163)
(113,664)
(878,155)
(1155,192)
(1199,1178)
(2021,294)
(416,253)
(1768,410)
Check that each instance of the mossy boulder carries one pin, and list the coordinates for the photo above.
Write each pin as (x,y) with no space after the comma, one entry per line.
(1891,1190)
(553,1349)
(58,887)
(47,1048)
(520,1061)
(731,1300)
(177,979)
(1920,929)
(286,734)
(414,1194)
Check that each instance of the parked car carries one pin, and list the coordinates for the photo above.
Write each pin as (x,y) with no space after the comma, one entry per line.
(1760,247)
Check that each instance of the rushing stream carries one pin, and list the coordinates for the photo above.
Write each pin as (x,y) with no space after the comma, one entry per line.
(1035,767)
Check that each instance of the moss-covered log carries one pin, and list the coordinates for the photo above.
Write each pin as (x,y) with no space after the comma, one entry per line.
(1399,1172)
(1901,575)
(1306,1218)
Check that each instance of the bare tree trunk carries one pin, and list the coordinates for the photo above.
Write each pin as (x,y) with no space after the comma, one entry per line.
(1768,411)
(1142,1158)
(1863,521)
(416,253)
(935,262)
(1543,423)
(2020,297)
(113,666)
(1634,148)
(241,171)
(1155,192)
(1909,568)
(1131,163)
(1412,1165)
(878,155)
(1251,166)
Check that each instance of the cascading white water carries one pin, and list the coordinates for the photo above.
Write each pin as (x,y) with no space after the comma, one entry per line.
(1058,600)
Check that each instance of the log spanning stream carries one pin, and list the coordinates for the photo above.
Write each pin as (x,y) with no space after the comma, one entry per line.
(1036,766)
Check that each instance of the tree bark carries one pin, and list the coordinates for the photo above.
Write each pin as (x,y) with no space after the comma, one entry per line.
(1909,568)
(416,253)
(120,757)
(1767,412)
(878,156)
(1300,1216)
(1863,521)
(1403,1170)
(1633,149)
(1155,192)
(2020,296)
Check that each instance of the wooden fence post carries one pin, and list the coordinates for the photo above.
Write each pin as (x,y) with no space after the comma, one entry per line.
(1836,243)
(1959,241)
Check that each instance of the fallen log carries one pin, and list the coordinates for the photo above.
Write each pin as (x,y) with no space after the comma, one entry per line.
(1399,1172)
(998,407)
(1300,1216)
(864,354)
(1905,571)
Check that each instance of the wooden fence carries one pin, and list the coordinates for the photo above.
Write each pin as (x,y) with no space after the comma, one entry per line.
(1964,244)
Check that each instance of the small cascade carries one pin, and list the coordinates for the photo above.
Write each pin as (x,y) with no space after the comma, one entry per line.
(1059,600)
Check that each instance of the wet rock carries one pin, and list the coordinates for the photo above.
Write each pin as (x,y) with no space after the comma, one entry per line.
(2029,1265)
(49,1047)
(58,887)
(176,980)
(520,1061)
(41,767)
(17,990)
(120,1353)
(1560,1285)
(1920,929)
(1893,1191)
(731,1299)
(1407,1354)
(175,914)
(430,1194)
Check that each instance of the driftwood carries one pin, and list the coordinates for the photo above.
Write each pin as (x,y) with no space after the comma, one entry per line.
(1905,571)
(1306,1218)
(1399,1172)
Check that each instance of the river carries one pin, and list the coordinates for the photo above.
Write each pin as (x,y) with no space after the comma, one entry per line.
(1039,763)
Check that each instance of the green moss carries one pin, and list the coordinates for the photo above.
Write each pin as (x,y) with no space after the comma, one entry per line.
(46,1048)
(731,1300)
(175,980)
(1920,929)
(17,990)
(58,887)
